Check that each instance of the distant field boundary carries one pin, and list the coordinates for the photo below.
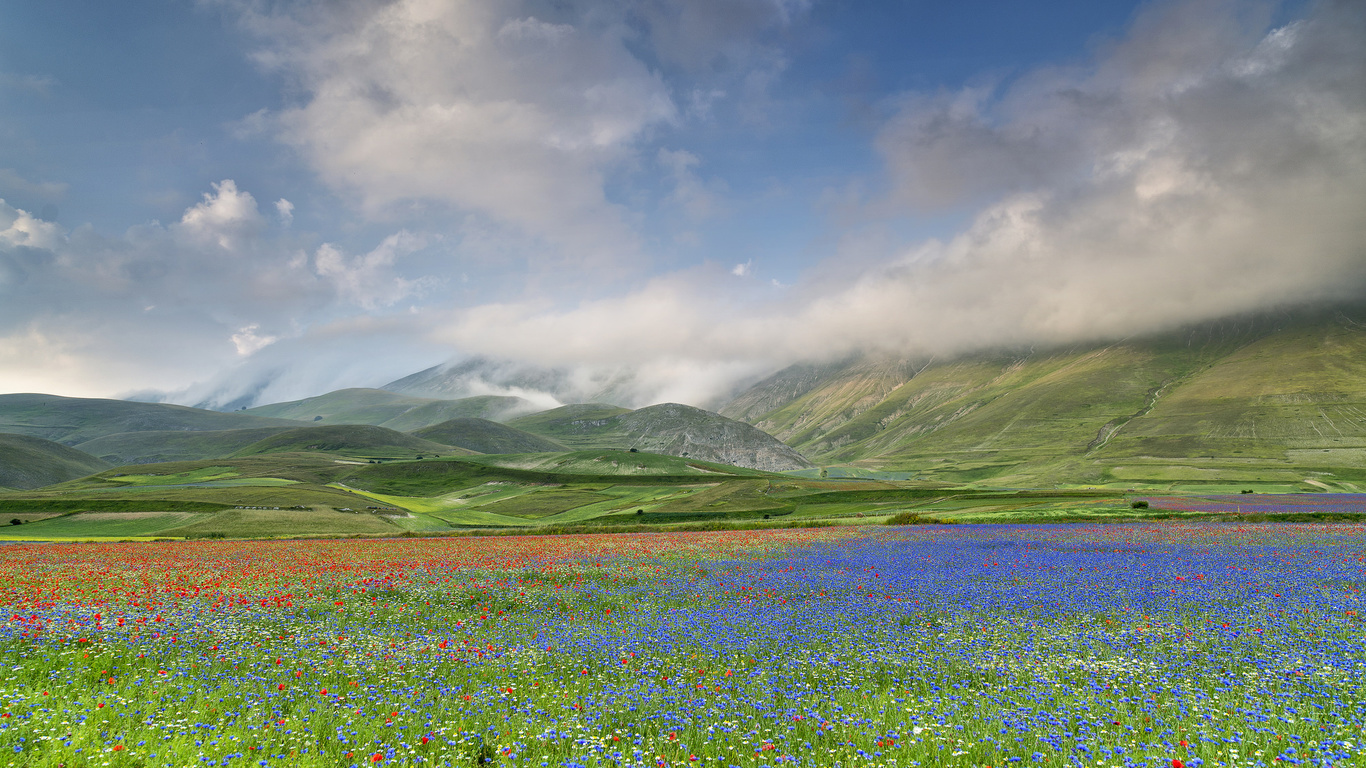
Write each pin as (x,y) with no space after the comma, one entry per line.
(64,506)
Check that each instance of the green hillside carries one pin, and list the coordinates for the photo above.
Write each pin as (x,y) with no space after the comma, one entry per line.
(75,420)
(163,446)
(581,425)
(32,462)
(292,494)
(669,428)
(352,440)
(300,494)
(379,408)
(486,436)
(1275,401)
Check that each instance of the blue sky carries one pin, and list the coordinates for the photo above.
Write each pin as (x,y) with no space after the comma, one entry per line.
(226,197)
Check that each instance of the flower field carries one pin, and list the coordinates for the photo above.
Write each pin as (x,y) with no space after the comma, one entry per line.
(1175,644)
(1278,503)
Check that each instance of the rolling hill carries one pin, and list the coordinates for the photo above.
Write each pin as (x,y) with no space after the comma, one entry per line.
(486,436)
(669,428)
(75,420)
(1279,399)
(379,408)
(161,446)
(32,462)
(354,440)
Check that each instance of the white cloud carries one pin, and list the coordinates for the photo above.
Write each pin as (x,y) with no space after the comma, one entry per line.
(24,229)
(510,112)
(226,217)
(285,210)
(1202,166)
(367,281)
(247,341)
(743,270)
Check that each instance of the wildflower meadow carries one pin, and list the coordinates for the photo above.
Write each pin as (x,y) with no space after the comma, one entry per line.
(1163,644)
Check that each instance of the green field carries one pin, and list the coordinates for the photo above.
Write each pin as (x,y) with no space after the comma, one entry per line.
(314,493)
(32,462)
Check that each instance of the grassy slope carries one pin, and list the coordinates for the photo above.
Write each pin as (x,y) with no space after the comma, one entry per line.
(1288,406)
(377,407)
(162,446)
(32,462)
(486,436)
(433,477)
(72,420)
(293,494)
(296,494)
(1269,404)
(356,440)
(668,428)
(978,415)
(280,494)
(582,425)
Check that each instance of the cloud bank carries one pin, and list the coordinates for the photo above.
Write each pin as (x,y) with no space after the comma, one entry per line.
(1210,161)
(1204,165)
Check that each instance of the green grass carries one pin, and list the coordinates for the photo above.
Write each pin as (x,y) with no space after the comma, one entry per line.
(109,525)
(176,445)
(351,440)
(265,523)
(486,436)
(15,505)
(613,465)
(74,420)
(1273,400)
(379,408)
(32,462)
(576,490)
(582,425)
(669,429)
(544,503)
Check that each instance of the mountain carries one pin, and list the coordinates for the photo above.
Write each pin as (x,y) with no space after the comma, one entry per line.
(486,436)
(1273,399)
(670,428)
(74,420)
(32,462)
(380,408)
(357,440)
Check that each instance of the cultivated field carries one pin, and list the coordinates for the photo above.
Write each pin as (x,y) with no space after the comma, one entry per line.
(1176,643)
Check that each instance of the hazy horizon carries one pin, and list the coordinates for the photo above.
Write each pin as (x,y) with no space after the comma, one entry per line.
(223,201)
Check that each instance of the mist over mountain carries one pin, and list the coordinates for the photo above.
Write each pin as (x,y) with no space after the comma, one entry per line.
(599,202)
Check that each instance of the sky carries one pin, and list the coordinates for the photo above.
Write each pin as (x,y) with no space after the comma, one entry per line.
(251,201)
